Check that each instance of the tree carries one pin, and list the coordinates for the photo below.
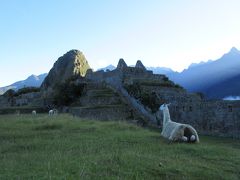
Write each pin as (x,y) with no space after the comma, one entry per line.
(66,93)
(9,93)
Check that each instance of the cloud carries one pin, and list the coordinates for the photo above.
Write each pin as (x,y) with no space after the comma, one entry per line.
(232,98)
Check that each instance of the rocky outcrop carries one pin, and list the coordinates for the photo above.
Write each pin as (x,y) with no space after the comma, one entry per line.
(121,64)
(140,65)
(73,63)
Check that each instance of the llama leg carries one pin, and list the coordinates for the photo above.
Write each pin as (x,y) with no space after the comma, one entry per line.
(170,138)
(175,136)
(184,138)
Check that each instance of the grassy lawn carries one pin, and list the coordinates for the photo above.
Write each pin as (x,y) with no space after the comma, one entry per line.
(64,147)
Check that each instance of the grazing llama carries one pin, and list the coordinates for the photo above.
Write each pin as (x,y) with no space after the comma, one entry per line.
(34,112)
(174,131)
(53,112)
(17,112)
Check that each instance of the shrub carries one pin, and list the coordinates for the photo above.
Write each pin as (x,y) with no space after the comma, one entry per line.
(26,90)
(134,90)
(66,93)
(9,93)
(148,99)
(165,78)
(178,86)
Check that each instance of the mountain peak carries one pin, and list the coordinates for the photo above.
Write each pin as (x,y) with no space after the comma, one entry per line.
(234,50)
(33,78)
(74,51)
(140,65)
(33,75)
(121,64)
(73,63)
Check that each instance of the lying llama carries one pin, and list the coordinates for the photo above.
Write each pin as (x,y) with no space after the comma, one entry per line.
(174,131)
(34,112)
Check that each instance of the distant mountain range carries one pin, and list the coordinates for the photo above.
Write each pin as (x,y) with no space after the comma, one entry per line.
(217,79)
(31,81)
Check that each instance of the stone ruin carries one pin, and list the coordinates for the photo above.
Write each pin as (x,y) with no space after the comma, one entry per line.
(106,97)
(221,118)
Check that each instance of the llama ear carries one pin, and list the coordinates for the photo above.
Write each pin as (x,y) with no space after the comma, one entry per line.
(168,104)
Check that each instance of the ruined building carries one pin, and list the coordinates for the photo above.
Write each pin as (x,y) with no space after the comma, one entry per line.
(131,93)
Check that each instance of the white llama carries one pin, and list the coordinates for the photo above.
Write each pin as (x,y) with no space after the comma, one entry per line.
(34,112)
(50,113)
(53,112)
(174,131)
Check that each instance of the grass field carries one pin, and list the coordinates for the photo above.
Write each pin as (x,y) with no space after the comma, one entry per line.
(64,147)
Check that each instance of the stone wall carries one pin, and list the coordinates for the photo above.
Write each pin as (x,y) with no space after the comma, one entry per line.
(108,112)
(33,99)
(30,99)
(5,102)
(220,118)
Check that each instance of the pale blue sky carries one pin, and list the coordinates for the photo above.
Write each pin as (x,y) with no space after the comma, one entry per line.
(173,33)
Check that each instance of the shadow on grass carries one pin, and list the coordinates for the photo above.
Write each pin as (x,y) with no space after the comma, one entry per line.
(48,127)
(20,148)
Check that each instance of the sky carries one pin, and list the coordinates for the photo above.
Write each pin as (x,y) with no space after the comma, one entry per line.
(173,33)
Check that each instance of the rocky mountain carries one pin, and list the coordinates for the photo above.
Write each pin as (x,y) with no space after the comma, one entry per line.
(212,77)
(70,64)
(31,81)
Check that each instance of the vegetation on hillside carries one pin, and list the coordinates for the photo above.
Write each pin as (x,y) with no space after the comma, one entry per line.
(27,90)
(68,92)
(64,147)
(11,93)
(148,99)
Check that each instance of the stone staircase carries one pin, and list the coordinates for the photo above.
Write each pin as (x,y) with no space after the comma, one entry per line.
(136,107)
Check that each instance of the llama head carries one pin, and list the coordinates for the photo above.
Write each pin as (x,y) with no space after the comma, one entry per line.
(164,106)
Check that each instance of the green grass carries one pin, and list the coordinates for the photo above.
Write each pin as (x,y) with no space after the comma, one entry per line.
(64,147)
